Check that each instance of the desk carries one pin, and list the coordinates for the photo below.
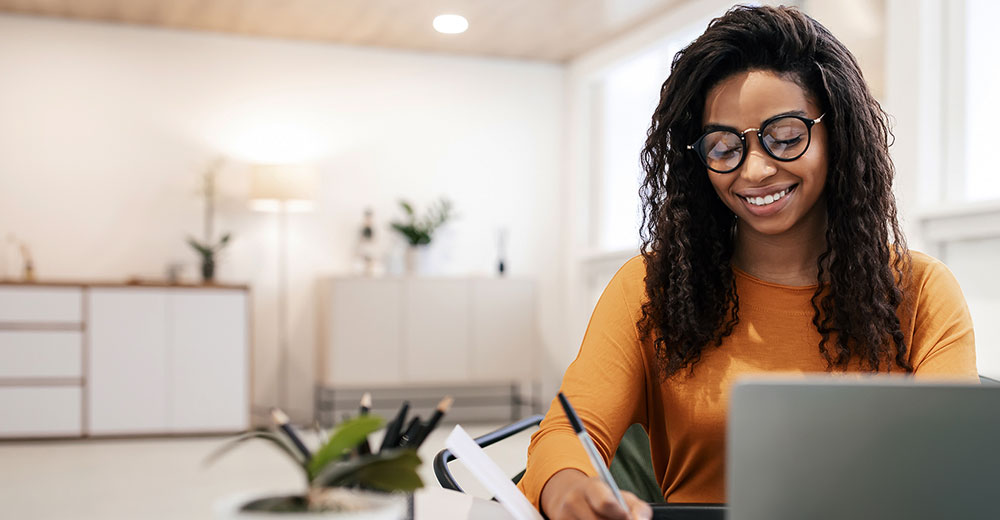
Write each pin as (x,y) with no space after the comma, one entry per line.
(434,503)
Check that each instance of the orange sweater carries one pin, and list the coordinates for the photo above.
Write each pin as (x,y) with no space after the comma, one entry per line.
(613,382)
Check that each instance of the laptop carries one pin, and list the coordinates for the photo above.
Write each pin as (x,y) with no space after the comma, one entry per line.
(879,448)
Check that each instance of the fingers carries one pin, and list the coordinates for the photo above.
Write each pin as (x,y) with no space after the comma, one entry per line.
(589,498)
(638,507)
(602,501)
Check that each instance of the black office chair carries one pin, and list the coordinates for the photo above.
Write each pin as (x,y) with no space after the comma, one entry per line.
(631,467)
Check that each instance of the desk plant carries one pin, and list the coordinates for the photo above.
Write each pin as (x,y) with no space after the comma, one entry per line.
(335,472)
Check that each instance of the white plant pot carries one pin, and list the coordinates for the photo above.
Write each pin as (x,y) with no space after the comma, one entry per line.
(372,506)
(415,261)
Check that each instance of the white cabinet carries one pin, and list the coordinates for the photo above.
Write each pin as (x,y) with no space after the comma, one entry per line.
(166,360)
(42,304)
(425,331)
(364,337)
(38,354)
(502,318)
(207,361)
(128,360)
(435,332)
(123,360)
(40,411)
(41,361)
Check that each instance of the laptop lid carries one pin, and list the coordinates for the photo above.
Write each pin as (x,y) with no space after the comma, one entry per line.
(881,448)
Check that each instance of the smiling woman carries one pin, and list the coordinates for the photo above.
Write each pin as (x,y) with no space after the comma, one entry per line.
(770,244)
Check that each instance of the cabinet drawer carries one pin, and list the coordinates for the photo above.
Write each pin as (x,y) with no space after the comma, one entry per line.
(40,411)
(41,304)
(25,354)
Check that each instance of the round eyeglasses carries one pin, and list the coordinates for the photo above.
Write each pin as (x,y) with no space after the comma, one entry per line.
(783,137)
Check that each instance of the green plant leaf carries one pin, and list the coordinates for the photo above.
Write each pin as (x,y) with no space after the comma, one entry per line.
(407,207)
(392,475)
(390,470)
(345,438)
(224,240)
(199,247)
(275,439)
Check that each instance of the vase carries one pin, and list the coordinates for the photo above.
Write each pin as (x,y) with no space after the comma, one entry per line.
(414,260)
(359,505)
(208,270)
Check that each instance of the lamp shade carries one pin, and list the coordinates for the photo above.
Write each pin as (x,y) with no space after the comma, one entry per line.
(273,186)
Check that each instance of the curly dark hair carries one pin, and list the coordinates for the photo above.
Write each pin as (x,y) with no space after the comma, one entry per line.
(688,233)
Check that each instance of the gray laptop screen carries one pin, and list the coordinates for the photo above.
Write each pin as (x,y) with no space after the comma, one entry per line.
(876,449)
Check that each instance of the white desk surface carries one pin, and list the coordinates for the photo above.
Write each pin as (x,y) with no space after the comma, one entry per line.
(434,503)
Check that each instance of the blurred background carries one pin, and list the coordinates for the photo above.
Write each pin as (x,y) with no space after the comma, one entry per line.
(129,128)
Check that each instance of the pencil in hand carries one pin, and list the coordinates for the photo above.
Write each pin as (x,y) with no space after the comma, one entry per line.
(588,446)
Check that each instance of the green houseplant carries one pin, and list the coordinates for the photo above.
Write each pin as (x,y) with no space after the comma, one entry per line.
(336,475)
(419,229)
(207,248)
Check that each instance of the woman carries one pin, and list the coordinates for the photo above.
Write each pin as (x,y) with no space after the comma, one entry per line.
(770,244)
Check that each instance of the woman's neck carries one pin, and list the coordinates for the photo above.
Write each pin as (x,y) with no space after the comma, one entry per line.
(788,259)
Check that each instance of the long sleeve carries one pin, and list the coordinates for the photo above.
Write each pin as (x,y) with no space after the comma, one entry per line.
(606,384)
(943,341)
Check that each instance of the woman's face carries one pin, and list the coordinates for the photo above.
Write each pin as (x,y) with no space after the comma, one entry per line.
(745,100)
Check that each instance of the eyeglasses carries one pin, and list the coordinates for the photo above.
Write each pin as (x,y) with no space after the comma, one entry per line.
(783,137)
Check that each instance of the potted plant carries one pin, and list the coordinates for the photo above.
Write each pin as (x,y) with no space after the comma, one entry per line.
(418,230)
(207,247)
(207,251)
(340,483)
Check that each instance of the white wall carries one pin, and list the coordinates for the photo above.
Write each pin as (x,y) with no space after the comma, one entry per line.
(104,131)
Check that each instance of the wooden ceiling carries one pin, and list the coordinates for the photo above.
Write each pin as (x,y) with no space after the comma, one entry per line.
(547,30)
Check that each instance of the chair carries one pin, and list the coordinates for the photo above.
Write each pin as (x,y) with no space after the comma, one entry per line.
(631,467)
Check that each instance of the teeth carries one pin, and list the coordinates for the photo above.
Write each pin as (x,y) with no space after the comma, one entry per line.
(769,199)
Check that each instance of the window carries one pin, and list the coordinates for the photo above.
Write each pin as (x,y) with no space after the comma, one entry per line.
(626,96)
(982,106)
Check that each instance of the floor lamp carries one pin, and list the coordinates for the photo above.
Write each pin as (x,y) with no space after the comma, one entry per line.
(282,189)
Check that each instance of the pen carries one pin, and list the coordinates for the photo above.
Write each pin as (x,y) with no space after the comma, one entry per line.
(442,408)
(394,430)
(282,421)
(588,446)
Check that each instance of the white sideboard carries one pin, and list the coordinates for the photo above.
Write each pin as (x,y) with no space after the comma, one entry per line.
(428,332)
(105,359)
(41,361)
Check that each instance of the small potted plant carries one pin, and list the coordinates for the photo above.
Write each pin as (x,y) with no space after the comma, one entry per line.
(208,250)
(208,247)
(342,481)
(418,230)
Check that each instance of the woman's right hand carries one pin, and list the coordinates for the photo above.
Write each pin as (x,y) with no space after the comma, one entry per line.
(572,495)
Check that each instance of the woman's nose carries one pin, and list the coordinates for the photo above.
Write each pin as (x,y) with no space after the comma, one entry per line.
(758,165)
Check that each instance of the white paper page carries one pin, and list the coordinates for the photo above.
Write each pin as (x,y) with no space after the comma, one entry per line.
(490,475)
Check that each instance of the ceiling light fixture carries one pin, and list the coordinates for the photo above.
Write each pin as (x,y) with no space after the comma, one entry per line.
(450,24)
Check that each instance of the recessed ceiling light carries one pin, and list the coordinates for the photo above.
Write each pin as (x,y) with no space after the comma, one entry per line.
(450,24)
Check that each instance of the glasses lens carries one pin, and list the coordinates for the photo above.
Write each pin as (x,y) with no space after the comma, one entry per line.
(722,150)
(786,138)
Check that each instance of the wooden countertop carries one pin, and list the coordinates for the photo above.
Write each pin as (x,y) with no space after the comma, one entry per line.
(135,282)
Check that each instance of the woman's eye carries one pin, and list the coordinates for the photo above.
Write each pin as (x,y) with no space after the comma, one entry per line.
(724,152)
(789,142)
